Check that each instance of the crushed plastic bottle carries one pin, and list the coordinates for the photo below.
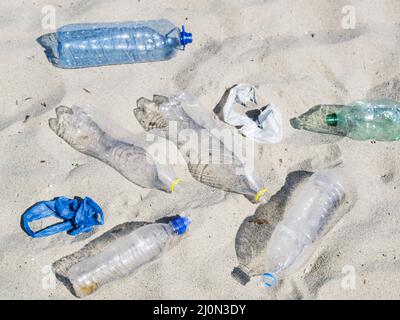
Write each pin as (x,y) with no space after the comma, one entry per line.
(361,120)
(99,44)
(304,222)
(209,161)
(125,255)
(90,132)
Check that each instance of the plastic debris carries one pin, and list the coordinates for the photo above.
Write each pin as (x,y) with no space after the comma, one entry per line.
(78,215)
(209,161)
(90,132)
(255,231)
(126,255)
(304,222)
(361,120)
(239,107)
(99,44)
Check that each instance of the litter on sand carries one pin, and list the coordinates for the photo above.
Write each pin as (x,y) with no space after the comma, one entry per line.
(78,215)
(239,107)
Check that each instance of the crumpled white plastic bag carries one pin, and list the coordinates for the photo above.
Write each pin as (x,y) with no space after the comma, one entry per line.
(266,128)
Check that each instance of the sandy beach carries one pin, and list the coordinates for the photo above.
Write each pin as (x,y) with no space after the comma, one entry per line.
(297,53)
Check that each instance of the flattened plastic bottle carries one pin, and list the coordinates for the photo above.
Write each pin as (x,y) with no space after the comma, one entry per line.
(99,44)
(126,255)
(304,222)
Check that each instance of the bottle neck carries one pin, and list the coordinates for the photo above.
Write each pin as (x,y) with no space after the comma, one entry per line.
(332,120)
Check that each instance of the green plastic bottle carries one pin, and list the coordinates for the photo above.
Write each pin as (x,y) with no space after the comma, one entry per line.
(368,120)
(361,120)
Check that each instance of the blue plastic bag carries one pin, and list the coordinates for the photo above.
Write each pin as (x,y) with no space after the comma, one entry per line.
(78,215)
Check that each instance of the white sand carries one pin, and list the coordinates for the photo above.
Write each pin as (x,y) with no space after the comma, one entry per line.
(298,55)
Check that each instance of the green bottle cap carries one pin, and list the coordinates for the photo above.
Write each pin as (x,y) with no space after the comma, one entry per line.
(332,119)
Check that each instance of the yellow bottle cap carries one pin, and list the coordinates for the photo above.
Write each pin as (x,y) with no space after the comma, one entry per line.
(174,183)
(260,193)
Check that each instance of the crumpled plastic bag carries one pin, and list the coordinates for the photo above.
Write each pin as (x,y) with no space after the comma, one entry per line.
(78,215)
(238,107)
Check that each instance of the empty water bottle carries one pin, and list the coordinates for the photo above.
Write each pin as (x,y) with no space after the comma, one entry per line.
(209,160)
(99,44)
(304,221)
(125,255)
(91,132)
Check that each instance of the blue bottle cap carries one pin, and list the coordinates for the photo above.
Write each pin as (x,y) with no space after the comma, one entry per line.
(185,37)
(180,224)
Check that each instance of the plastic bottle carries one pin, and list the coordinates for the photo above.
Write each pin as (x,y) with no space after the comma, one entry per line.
(99,44)
(364,120)
(361,120)
(304,221)
(89,131)
(209,160)
(125,255)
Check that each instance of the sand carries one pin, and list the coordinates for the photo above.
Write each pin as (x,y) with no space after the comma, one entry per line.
(298,55)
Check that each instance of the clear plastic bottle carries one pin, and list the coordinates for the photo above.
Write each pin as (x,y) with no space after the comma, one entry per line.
(304,221)
(89,131)
(209,160)
(125,255)
(98,44)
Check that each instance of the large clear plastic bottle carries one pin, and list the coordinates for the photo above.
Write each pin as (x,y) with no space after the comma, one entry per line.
(98,44)
(125,255)
(304,221)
